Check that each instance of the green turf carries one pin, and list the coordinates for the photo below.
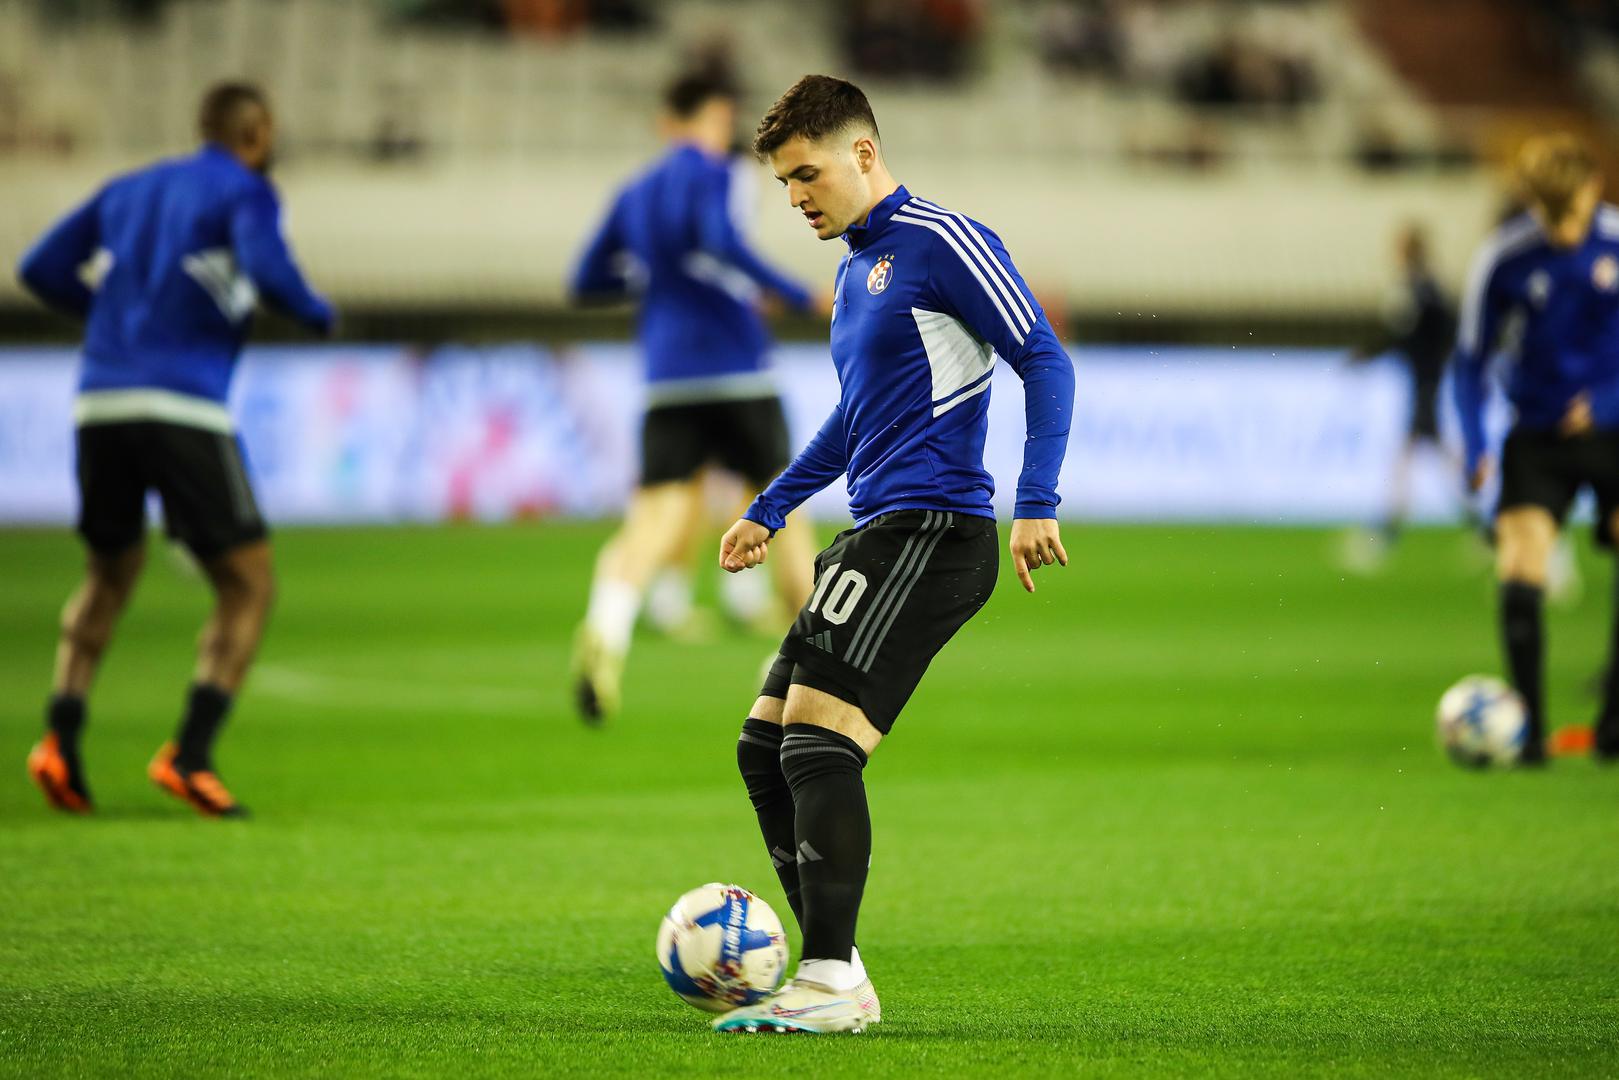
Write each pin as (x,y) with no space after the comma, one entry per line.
(1178,813)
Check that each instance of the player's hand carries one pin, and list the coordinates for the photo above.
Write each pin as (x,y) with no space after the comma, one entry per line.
(1035,543)
(1578,419)
(1481,474)
(744,544)
(825,301)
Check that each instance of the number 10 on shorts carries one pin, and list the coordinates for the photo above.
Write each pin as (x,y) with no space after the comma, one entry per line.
(840,597)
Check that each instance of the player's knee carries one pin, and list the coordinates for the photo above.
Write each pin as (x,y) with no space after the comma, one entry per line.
(110,579)
(1524,542)
(809,752)
(758,759)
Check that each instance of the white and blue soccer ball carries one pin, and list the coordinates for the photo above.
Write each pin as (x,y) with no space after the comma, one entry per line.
(1482,722)
(721,947)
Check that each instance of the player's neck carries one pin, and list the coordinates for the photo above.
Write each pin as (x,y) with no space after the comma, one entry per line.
(880,187)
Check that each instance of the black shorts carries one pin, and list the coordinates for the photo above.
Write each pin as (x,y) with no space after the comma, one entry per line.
(1545,469)
(208,504)
(887,598)
(747,437)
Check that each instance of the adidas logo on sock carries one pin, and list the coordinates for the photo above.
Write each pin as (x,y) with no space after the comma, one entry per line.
(822,641)
(807,853)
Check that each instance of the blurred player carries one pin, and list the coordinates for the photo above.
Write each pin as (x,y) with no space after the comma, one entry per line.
(189,245)
(1421,328)
(671,238)
(925,302)
(1552,276)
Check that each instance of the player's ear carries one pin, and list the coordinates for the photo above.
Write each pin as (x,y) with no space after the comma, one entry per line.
(865,153)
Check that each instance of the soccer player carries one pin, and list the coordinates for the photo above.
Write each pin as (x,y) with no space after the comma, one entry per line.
(1421,329)
(925,302)
(671,237)
(1552,274)
(189,246)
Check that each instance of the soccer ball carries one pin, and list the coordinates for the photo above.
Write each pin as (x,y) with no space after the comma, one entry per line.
(721,947)
(1482,722)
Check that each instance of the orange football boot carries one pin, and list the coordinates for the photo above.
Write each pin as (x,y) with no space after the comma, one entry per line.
(202,789)
(52,774)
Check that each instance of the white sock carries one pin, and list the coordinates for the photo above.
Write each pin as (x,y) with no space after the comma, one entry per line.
(613,606)
(840,975)
(668,600)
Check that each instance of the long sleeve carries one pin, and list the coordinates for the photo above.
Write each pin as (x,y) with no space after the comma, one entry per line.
(1475,338)
(262,254)
(718,236)
(973,276)
(50,269)
(817,465)
(599,273)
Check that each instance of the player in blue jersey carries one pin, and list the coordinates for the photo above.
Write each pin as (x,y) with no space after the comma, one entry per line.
(1545,289)
(926,300)
(188,246)
(671,239)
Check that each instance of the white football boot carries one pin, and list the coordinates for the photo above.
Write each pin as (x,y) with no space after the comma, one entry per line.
(806,1008)
(597,670)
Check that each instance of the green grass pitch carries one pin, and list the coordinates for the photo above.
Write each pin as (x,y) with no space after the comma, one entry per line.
(1178,813)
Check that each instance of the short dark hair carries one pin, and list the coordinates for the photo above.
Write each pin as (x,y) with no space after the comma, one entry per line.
(813,107)
(224,107)
(691,91)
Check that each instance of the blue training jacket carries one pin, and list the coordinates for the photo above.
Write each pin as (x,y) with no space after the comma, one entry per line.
(188,245)
(671,237)
(1557,311)
(926,300)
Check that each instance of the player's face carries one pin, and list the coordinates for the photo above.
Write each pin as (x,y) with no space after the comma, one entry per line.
(258,150)
(825,181)
(1570,230)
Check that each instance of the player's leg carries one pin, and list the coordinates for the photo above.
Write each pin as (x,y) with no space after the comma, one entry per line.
(1400,492)
(667,604)
(674,448)
(758,759)
(112,523)
(208,505)
(1604,464)
(825,745)
(645,542)
(87,626)
(1540,476)
(887,597)
(1525,536)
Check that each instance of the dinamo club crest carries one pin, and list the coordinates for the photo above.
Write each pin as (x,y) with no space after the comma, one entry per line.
(880,275)
(1605,273)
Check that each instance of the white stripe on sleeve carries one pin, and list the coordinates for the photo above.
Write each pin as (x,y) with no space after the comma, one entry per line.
(1017,334)
(988,253)
(985,259)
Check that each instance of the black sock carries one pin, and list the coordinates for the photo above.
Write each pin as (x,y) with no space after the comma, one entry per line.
(64,715)
(1524,641)
(758,758)
(1608,720)
(206,707)
(833,830)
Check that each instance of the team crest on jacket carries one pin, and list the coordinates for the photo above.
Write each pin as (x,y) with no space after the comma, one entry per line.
(880,275)
(1605,273)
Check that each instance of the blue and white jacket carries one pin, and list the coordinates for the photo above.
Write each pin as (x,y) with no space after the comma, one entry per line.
(1554,313)
(671,239)
(186,248)
(926,301)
